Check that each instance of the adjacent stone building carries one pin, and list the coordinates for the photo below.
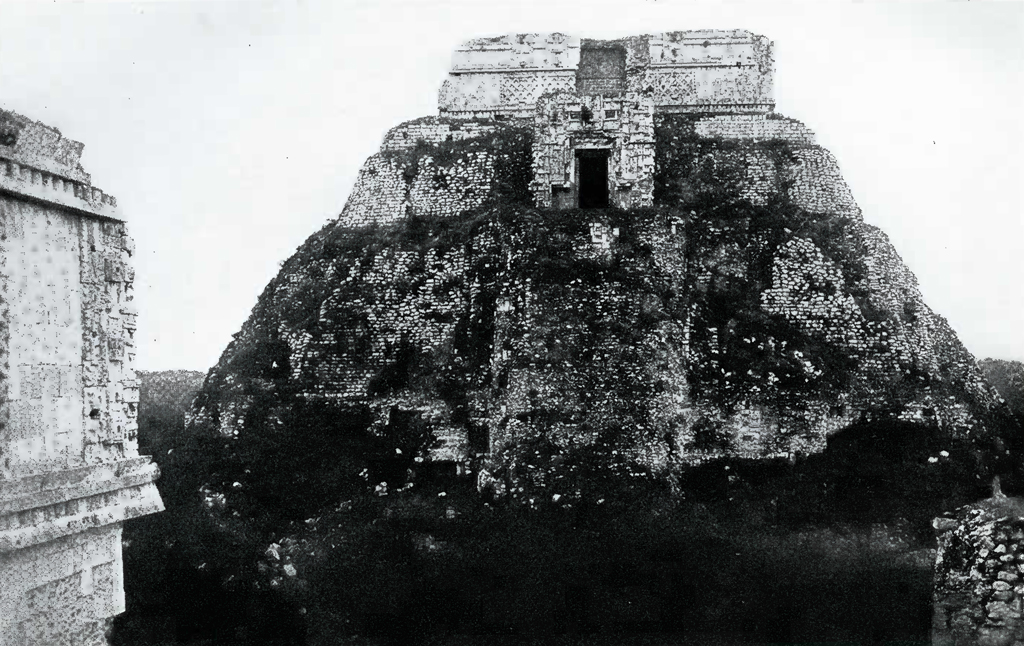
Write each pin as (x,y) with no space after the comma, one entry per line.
(70,471)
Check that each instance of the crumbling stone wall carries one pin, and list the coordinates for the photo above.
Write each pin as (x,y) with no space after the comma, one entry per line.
(755,127)
(390,187)
(831,278)
(623,127)
(433,167)
(379,195)
(862,342)
(818,185)
(435,130)
(70,472)
(979,567)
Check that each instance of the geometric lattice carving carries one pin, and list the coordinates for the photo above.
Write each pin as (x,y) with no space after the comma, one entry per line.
(708,70)
(522,89)
(671,87)
(518,87)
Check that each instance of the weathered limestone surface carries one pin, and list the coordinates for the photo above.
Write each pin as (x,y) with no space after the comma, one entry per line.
(683,71)
(979,575)
(70,472)
(408,176)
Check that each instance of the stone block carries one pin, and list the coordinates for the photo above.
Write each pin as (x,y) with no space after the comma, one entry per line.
(994,637)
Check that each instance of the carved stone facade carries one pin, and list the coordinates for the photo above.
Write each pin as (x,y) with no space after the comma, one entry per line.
(706,71)
(594,102)
(70,471)
(617,131)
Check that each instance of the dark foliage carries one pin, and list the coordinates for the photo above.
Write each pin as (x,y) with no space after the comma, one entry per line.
(877,472)
(585,545)
(632,565)
(183,574)
(762,552)
(1008,378)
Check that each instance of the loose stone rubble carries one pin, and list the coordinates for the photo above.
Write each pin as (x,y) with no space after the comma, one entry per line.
(979,567)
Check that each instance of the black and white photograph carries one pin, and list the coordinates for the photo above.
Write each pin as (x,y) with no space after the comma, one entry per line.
(456,323)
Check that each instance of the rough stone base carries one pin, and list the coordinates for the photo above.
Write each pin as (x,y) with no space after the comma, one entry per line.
(62,591)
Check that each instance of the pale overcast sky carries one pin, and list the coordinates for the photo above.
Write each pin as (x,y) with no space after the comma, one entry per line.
(231,131)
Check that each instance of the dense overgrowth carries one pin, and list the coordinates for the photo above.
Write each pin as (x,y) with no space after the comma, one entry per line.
(828,548)
(297,516)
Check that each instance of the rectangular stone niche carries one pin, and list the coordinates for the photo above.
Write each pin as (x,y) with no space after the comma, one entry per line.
(602,68)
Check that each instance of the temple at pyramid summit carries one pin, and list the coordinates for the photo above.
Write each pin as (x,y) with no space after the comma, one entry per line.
(615,242)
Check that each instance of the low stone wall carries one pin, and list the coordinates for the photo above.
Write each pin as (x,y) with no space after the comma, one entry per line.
(756,127)
(434,130)
(979,575)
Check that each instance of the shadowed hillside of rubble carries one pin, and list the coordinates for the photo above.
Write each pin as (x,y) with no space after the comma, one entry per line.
(606,348)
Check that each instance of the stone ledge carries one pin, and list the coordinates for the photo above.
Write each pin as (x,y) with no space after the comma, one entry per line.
(36,491)
(717,108)
(566,71)
(756,127)
(45,186)
(35,527)
(38,145)
(704,64)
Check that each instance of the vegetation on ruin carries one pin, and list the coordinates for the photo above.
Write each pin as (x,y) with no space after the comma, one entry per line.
(750,356)
(586,304)
(312,522)
(510,146)
(833,547)
(1008,379)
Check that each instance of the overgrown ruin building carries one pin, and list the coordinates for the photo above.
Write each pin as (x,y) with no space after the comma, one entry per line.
(599,239)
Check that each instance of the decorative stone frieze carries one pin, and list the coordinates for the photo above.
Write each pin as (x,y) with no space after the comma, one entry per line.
(704,71)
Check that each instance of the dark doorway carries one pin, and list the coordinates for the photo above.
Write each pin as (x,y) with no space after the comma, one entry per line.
(593,178)
(479,438)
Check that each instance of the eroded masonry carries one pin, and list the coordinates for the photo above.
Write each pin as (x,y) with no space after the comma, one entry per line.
(591,105)
(979,574)
(70,471)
